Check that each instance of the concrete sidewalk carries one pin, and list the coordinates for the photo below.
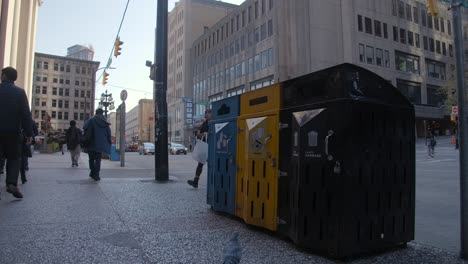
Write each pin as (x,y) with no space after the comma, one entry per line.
(66,217)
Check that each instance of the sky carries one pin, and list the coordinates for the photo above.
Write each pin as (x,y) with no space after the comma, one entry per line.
(64,23)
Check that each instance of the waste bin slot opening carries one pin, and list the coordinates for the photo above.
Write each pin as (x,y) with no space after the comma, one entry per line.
(264,169)
(253,168)
(268,191)
(242,185)
(251,208)
(225,198)
(227,164)
(217,197)
(263,210)
(247,188)
(222,181)
(218,164)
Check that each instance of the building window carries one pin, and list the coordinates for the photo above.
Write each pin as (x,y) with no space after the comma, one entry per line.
(377,28)
(368,24)
(449,27)
(385,31)
(44,103)
(243,19)
(444,49)
(81,116)
(65,115)
(379,57)
(256,9)
(395,34)
(82,94)
(270,28)
(60,103)
(56,67)
(263,31)
(435,69)
(67,81)
(435,97)
(394,7)
(44,89)
(425,43)
(77,93)
(429,21)
(61,91)
(362,53)
(408,13)
(450,50)
(406,62)
(263,7)
(442,25)
(416,40)
(436,23)
(423,16)
(438,49)
(410,38)
(36,101)
(55,80)
(60,115)
(257,35)
(66,104)
(415,14)
(75,104)
(258,62)
(402,36)
(88,94)
(46,65)
(75,116)
(68,68)
(431,45)
(54,114)
(387,59)
(54,103)
(38,64)
(270,57)
(411,90)
(82,105)
(38,89)
(67,92)
(370,54)
(401,9)
(359,22)
(250,14)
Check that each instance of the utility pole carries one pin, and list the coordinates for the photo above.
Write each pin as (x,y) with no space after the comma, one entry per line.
(160,88)
(462,129)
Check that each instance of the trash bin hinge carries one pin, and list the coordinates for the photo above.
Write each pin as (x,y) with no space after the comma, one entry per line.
(280,221)
(282,173)
(283,126)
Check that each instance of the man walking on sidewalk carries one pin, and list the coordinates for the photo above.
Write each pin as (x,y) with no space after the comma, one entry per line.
(73,136)
(100,142)
(14,116)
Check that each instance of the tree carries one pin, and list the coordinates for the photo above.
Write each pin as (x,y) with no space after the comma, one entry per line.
(449,93)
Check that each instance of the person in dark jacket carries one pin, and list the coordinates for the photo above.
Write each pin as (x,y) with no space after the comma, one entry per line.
(100,143)
(73,136)
(14,116)
(202,135)
(26,153)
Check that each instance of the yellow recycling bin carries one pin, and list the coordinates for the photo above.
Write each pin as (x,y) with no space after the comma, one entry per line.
(257,157)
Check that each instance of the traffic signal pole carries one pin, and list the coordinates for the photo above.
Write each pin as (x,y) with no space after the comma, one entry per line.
(159,91)
(462,129)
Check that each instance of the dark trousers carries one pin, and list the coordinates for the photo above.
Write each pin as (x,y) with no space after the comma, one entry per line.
(94,163)
(10,149)
(24,165)
(2,164)
(199,170)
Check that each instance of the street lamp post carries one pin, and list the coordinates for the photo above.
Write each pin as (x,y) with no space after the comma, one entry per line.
(106,102)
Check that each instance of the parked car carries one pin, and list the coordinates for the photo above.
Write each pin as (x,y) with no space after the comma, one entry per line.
(146,148)
(176,148)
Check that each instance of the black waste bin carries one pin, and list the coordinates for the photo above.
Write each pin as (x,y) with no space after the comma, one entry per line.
(347,184)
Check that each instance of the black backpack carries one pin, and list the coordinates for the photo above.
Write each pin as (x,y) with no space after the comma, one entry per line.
(88,137)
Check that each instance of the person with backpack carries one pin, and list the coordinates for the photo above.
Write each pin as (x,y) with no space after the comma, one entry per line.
(72,138)
(96,140)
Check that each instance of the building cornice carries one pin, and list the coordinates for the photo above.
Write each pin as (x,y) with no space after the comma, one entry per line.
(50,56)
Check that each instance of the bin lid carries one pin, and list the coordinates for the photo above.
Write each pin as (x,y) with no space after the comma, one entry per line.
(340,82)
(226,108)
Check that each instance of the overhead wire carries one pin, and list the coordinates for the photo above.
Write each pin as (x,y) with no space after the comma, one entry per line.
(109,60)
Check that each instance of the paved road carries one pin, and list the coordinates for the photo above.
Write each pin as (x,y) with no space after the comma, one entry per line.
(438,196)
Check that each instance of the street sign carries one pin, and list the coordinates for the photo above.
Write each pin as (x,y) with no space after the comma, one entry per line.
(123,95)
(187,100)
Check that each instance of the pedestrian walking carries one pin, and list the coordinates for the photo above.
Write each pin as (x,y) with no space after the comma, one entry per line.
(14,116)
(97,140)
(72,138)
(26,153)
(202,135)
(431,142)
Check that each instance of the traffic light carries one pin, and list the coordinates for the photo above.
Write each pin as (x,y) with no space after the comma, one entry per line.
(432,7)
(104,78)
(117,47)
